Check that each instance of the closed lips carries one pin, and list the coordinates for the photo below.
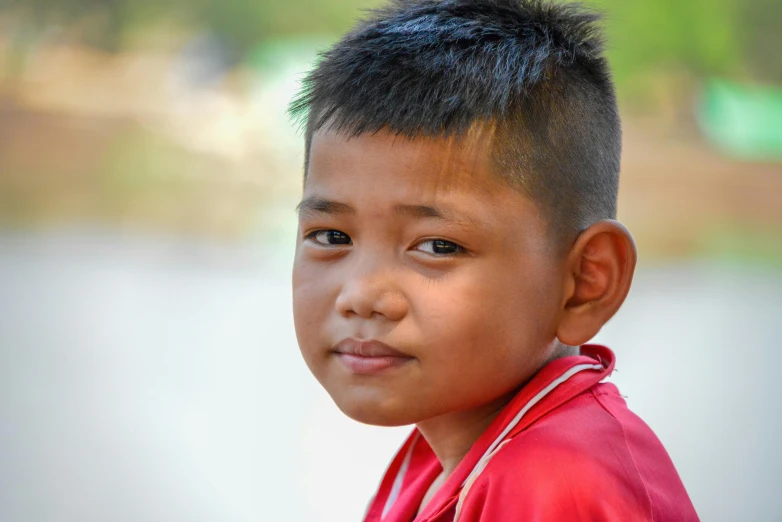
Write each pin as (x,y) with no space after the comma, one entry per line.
(359,348)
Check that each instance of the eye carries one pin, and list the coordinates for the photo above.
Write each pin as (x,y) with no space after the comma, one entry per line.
(329,237)
(439,247)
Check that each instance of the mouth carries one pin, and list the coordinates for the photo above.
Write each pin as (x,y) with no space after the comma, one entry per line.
(369,357)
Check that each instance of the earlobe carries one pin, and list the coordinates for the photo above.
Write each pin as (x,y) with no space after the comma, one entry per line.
(599,271)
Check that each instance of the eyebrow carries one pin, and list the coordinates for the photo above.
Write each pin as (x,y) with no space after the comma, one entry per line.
(430,212)
(317,205)
(420,211)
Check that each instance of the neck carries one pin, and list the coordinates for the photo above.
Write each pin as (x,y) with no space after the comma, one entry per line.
(452,435)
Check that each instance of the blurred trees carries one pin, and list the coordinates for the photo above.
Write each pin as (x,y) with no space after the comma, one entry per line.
(759,33)
(738,38)
(700,38)
(240,24)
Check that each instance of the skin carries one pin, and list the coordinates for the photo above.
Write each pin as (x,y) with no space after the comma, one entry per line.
(435,256)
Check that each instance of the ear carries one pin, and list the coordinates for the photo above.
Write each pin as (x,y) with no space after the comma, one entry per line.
(599,270)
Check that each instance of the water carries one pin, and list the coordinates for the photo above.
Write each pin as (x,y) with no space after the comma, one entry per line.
(156,379)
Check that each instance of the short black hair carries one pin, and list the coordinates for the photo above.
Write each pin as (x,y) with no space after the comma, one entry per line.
(533,70)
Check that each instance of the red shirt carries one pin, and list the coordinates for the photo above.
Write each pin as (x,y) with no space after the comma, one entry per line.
(566,448)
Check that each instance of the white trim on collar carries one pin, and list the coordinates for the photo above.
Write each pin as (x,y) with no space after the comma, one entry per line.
(396,488)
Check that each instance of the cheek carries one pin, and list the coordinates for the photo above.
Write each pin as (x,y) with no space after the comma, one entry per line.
(311,303)
(526,306)
(457,318)
(489,317)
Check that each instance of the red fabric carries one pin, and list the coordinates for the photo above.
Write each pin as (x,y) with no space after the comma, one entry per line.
(577,455)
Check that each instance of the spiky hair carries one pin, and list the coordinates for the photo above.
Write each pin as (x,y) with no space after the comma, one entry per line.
(532,70)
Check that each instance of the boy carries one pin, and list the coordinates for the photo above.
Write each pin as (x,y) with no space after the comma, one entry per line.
(457,247)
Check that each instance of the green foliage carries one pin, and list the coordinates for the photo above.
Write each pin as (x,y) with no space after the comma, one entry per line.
(100,23)
(699,35)
(243,24)
(759,28)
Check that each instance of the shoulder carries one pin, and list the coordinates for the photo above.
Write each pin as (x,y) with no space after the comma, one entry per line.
(590,459)
(572,465)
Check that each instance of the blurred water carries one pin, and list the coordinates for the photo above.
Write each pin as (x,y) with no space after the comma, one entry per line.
(156,379)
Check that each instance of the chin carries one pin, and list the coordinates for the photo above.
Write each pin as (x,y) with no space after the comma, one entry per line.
(376,413)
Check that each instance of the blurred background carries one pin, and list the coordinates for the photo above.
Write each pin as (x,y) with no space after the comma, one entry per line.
(148,178)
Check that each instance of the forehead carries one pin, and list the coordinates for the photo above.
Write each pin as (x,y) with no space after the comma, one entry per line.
(427,166)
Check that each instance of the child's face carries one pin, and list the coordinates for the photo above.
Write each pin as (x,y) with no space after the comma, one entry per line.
(418,245)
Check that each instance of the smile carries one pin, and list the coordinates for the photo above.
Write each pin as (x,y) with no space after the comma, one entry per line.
(369,357)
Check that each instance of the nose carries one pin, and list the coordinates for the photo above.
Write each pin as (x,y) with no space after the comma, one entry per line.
(369,292)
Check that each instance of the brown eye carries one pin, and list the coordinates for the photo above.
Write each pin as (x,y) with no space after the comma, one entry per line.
(330,237)
(439,247)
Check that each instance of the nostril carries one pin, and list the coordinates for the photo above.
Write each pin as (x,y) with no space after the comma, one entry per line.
(393,305)
(371,300)
(354,300)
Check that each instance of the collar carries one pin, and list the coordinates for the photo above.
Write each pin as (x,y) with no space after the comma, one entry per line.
(556,383)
